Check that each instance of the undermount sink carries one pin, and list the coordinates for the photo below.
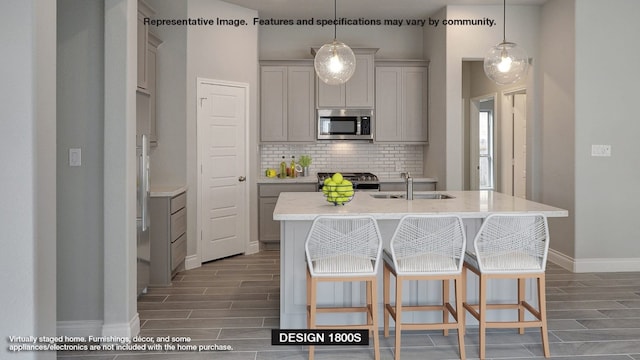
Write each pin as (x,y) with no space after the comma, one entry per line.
(415,196)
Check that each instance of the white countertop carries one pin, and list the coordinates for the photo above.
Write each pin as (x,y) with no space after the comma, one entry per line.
(466,204)
(167,190)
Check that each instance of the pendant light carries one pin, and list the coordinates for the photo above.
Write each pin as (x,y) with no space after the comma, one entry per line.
(506,63)
(335,63)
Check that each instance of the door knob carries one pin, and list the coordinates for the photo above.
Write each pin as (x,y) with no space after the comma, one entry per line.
(242,178)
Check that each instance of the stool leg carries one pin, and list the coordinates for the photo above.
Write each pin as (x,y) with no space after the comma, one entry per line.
(462,317)
(542,307)
(445,300)
(521,296)
(386,295)
(312,313)
(460,314)
(308,299)
(398,314)
(368,301)
(374,313)
(483,314)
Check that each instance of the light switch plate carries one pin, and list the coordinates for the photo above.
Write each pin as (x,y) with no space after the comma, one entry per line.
(75,157)
(600,150)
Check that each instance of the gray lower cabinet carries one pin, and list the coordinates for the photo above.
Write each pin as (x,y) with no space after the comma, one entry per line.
(168,237)
(269,229)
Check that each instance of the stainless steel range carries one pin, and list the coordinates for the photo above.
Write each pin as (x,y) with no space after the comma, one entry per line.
(362,181)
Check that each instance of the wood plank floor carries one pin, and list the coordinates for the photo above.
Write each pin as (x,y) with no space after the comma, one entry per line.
(234,303)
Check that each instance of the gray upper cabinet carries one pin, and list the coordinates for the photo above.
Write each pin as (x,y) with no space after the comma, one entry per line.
(402,102)
(144,10)
(152,56)
(287,102)
(357,93)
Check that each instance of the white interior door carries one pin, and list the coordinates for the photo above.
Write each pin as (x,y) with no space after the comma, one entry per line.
(222,120)
(520,145)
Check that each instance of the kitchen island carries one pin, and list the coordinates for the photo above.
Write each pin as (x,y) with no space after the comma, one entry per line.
(296,211)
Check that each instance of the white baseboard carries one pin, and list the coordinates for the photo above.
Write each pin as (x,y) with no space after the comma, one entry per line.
(130,329)
(561,260)
(253,247)
(192,262)
(594,264)
(79,328)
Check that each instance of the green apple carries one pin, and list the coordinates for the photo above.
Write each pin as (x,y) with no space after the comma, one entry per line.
(337,178)
(331,185)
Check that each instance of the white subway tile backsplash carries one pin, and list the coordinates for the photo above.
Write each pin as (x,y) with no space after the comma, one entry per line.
(380,159)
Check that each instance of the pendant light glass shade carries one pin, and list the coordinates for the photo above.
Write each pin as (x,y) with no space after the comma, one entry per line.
(335,63)
(506,63)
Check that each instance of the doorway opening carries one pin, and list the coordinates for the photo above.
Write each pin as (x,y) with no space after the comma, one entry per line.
(495,133)
(482,143)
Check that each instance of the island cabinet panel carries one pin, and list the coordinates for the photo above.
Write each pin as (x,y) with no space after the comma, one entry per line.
(293,283)
(168,237)
(287,102)
(357,93)
(402,103)
(269,229)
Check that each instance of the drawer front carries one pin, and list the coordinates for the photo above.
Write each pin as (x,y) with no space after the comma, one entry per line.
(178,202)
(276,189)
(178,251)
(178,224)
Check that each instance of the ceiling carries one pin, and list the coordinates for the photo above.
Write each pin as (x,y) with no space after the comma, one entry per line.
(370,9)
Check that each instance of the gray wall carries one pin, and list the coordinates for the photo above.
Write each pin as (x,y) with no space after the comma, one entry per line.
(606,95)
(295,42)
(435,50)
(168,165)
(27,155)
(557,81)
(80,189)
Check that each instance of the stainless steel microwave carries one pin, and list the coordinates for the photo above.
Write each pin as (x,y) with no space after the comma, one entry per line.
(345,124)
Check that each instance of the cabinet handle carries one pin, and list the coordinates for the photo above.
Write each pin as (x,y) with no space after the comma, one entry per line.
(242,178)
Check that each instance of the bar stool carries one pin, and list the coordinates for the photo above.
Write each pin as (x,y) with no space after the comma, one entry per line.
(510,247)
(426,247)
(344,249)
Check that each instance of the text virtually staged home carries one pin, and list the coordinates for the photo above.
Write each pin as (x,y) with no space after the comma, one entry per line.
(320,179)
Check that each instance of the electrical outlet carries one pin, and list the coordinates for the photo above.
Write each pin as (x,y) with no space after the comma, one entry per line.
(75,157)
(398,166)
(600,150)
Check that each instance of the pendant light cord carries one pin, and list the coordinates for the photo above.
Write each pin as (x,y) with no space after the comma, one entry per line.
(504,21)
(335,18)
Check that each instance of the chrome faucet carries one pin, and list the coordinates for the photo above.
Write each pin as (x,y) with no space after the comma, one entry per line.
(409,181)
